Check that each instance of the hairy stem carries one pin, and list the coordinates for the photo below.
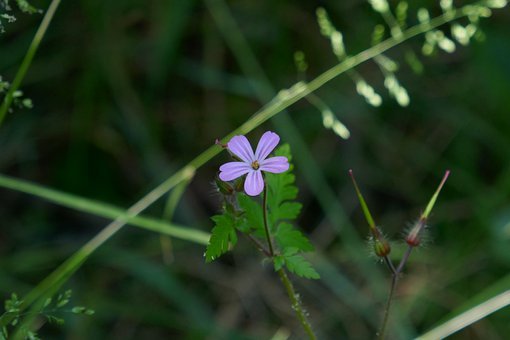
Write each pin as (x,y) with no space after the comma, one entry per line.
(25,64)
(296,304)
(294,298)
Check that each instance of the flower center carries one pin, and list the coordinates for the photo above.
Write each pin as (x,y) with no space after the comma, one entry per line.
(255,165)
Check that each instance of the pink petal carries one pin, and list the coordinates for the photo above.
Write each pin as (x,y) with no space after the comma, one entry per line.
(267,143)
(233,170)
(275,165)
(254,183)
(240,147)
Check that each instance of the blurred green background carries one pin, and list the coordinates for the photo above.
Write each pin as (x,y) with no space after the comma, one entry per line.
(127,92)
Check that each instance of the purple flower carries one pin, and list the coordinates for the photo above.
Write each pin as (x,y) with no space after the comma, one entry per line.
(253,164)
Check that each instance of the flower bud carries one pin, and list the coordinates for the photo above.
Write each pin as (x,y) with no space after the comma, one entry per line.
(381,247)
(224,187)
(239,184)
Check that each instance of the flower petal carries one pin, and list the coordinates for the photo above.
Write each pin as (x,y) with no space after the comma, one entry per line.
(275,165)
(267,143)
(254,183)
(233,170)
(240,147)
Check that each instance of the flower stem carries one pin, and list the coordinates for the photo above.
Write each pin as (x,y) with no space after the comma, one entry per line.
(394,281)
(294,298)
(296,304)
(382,331)
(266,228)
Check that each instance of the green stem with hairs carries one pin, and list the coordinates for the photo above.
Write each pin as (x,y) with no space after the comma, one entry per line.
(289,287)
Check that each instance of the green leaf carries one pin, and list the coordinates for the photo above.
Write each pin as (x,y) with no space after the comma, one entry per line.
(288,211)
(289,237)
(223,234)
(298,265)
(281,189)
(253,218)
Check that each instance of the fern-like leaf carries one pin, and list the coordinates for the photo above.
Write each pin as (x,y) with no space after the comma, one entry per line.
(223,234)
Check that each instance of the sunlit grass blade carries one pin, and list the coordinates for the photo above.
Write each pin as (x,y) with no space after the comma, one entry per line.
(495,298)
(104,210)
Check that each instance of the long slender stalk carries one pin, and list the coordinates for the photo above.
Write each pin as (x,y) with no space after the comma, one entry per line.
(296,304)
(291,292)
(29,56)
(382,331)
(266,228)
(282,101)
(104,210)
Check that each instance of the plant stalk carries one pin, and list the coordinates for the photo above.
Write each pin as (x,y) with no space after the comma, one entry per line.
(291,292)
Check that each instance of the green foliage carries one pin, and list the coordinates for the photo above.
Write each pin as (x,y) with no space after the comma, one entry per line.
(296,264)
(253,219)
(19,100)
(223,234)
(23,5)
(13,311)
(289,237)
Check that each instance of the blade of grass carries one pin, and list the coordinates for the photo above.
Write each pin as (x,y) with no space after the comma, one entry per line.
(468,317)
(104,210)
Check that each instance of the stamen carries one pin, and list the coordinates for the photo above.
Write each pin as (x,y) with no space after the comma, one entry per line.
(255,165)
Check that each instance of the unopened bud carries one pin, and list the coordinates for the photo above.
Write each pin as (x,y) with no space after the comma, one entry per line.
(381,247)
(224,187)
(239,184)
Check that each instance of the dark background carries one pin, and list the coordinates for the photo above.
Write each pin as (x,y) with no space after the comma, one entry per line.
(127,92)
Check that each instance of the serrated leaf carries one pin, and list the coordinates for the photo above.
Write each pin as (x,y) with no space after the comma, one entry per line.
(288,211)
(298,265)
(289,237)
(253,218)
(222,235)
(281,190)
